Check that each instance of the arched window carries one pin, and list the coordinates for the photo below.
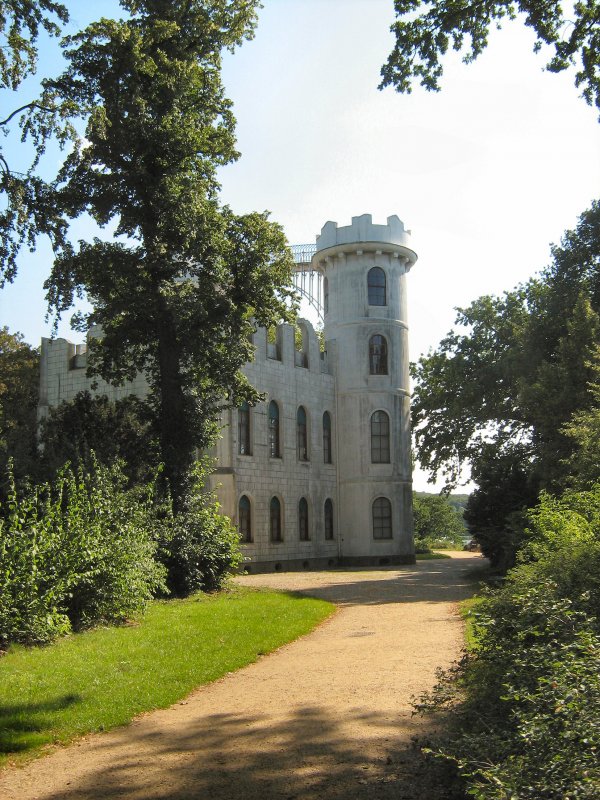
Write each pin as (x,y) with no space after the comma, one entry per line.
(244,446)
(275,528)
(376,287)
(302,434)
(274,441)
(325,295)
(303,530)
(382,518)
(328,518)
(326,438)
(378,355)
(245,519)
(380,438)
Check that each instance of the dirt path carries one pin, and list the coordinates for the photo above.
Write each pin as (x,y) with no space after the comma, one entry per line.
(327,716)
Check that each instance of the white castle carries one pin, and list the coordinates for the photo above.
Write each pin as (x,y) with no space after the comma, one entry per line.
(319,472)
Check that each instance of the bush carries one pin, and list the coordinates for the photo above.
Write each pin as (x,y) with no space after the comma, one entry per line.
(525,702)
(199,547)
(74,553)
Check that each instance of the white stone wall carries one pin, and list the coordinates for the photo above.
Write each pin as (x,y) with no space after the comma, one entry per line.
(261,477)
(339,382)
(345,255)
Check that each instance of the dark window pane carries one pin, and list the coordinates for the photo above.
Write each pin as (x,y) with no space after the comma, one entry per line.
(380,438)
(302,435)
(303,520)
(376,287)
(378,355)
(245,519)
(244,447)
(328,515)
(382,518)
(274,446)
(275,520)
(326,438)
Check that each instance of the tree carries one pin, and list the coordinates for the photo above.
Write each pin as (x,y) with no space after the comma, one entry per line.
(91,430)
(28,206)
(425,31)
(436,522)
(19,385)
(501,394)
(181,287)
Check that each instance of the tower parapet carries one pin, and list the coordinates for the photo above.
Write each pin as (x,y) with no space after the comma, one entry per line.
(391,237)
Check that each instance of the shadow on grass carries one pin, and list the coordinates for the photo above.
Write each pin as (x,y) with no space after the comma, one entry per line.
(25,726)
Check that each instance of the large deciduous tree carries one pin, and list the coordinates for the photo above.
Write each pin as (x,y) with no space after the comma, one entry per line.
(179,289)
(504,393)
(27,203)
(425,31)
(19,383)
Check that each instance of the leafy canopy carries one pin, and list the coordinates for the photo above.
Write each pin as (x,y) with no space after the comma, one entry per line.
(27,207)
(425,31)
(180,288)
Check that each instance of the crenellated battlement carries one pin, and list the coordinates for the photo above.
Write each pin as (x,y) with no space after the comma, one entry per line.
(362,232)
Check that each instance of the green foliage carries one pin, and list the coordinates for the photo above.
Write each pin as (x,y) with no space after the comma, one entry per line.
(505,392)
(180,299)
(90,429)
(74,553)
(425,31)
(437,524)
(525,700)
(198,546)
(104,677)
(19,382)
(29,208)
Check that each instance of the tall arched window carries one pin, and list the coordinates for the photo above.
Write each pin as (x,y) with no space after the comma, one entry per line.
(380,438)
(326,438)
(328,519)
(325,295)
(274,440)
(376,287)
(275,529)
(378,360)
(303,530)
(244,445)
(245,519)
(382,518)
(302,434)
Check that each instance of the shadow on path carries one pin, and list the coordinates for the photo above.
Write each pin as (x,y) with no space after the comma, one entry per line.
(306,756)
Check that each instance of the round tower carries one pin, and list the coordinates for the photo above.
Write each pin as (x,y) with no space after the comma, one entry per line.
(364,270)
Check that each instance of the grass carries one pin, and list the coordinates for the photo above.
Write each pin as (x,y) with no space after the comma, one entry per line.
(430,556)
(103,678)
(467,610)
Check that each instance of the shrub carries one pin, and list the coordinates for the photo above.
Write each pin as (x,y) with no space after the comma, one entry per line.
(525,702)
(74,553)
(199,546)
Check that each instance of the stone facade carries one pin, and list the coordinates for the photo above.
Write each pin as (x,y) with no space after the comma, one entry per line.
(319,472)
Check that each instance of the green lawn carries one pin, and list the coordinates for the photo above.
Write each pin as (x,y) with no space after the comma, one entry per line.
(99,679)
(430,556)
(467,610)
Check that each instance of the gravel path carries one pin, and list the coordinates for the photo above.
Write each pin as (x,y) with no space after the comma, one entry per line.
(328,716)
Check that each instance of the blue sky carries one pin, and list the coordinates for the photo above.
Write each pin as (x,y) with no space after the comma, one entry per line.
(486,173)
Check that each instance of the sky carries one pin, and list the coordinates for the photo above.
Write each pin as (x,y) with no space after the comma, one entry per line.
(487,173)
